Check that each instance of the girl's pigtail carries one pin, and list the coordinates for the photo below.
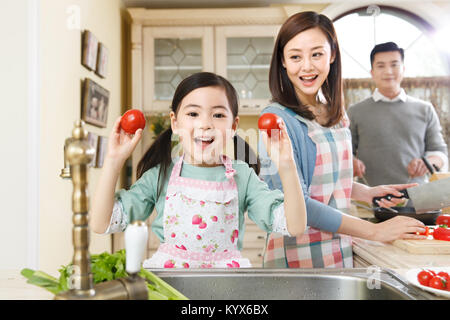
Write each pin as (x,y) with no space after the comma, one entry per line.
(243,152)
(160,152)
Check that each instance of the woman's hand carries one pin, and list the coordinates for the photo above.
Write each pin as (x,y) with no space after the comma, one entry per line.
(121,144)
(279,148)
(366,194)
(399,227)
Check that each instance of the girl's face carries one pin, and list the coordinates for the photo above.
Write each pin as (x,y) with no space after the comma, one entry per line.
(204,123)
(307,58)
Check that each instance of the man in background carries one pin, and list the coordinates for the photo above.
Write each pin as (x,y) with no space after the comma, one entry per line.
(392,131)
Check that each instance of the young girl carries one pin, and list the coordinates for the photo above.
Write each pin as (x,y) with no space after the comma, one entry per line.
(200,196)
(306,86)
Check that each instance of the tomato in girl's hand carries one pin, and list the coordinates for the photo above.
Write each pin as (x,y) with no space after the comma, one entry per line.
(268,122)
(438,283)
(443,219)
(132,120)
(424,277)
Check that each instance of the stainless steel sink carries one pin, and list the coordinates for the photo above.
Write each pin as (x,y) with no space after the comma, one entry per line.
(290,284)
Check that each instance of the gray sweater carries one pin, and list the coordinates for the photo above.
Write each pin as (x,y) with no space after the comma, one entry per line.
(386,136)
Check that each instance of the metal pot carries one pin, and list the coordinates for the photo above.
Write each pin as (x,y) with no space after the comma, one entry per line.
(428,218)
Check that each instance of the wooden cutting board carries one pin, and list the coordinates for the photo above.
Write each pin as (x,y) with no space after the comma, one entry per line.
(424,246)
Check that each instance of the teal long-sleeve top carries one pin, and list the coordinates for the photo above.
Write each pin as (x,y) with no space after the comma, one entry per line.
(254,196)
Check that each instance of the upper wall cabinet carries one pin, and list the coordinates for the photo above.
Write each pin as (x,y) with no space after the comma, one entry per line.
(170,54)
(168,45)
(243,55)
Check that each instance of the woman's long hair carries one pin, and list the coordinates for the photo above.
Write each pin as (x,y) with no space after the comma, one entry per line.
(281,87)
(160,152)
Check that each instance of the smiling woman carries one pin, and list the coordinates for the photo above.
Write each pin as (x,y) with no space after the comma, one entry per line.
(305,82)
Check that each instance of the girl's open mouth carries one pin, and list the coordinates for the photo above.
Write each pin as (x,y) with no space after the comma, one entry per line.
(203,142)
(308,80)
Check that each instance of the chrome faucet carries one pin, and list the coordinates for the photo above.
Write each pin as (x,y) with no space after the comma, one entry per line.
(78,154)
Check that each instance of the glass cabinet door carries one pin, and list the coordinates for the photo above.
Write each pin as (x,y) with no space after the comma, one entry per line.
(170,55)
(175,59)
(243,57)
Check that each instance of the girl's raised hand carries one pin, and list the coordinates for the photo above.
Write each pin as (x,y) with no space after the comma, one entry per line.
(121,144)
(279,147)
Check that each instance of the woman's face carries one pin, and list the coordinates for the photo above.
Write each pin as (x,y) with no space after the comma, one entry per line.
(204,123)
(307,58)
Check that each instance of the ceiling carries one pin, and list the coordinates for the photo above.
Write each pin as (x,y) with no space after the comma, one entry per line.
(161,4)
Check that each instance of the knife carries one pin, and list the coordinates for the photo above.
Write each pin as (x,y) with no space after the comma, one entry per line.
(427,197)
(428,165)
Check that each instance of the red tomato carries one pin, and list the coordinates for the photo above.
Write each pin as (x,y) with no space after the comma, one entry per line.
(443,219)
(269,122)
(438,283)
(132,120)
(424,277)
(442,233)
(425,233)
(446,277)
(432,272)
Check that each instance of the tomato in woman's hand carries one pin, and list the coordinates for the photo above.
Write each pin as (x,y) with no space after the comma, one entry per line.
(443,219)
(424,277)
(268,122)
(438,283)
(132,120)
(442,233)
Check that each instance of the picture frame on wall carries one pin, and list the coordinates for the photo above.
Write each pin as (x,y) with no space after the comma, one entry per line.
(102,60)
(93,142)
(95,102)
(101,150)
(89,51)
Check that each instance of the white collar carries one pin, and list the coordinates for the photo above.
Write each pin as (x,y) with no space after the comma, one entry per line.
(377,96)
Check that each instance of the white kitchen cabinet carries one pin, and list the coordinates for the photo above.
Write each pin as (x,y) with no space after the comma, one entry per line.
(169,55)
(243,55)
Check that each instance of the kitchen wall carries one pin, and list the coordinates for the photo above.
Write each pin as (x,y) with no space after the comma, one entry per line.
(61,76)
(16,34)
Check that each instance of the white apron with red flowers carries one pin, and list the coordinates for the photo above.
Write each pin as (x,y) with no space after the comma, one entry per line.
(201,223)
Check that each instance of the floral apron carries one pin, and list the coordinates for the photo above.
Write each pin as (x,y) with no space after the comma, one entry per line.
(201,223)
(331,184)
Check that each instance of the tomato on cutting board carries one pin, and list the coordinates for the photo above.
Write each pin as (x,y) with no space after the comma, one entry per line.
(443,219)
(268,122)
(132,120)
(442,232)
(426,232)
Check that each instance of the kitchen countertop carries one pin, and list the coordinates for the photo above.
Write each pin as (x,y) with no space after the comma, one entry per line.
(386,255)
(13,286)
